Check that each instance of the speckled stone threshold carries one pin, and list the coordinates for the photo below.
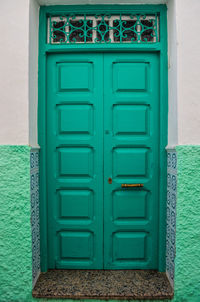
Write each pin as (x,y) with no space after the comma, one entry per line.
(103,284)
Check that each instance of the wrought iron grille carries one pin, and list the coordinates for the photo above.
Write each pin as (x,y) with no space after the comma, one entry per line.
(132,28)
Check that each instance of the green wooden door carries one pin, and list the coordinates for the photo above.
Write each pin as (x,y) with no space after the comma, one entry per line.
(102,132)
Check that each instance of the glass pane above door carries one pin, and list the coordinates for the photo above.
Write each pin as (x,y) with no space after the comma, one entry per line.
(132,28)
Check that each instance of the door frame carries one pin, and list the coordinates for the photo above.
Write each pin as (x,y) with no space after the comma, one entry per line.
(45,49)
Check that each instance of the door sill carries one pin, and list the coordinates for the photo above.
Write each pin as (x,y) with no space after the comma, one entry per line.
(103,284)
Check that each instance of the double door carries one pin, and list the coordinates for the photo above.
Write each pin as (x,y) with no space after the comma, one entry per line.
(102,135)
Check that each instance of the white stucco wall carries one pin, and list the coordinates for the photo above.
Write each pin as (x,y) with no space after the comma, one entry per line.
(172,75)
(14,122)
(188,60)
(19,59)
(33,71)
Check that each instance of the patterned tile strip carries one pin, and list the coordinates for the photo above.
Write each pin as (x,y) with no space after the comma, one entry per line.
(171,213)
(35,224)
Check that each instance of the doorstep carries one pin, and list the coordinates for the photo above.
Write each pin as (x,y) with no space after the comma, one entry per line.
(103,284)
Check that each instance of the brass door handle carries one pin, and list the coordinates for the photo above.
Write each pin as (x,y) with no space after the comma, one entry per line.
(131,185)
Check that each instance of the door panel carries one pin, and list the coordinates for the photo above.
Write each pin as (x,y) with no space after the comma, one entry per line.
(102,122)
(131,144)
(74,160)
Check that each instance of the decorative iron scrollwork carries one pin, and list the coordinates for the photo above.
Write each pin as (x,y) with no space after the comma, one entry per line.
(133,28)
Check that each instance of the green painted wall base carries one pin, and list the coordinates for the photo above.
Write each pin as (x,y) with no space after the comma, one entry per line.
(187,262)
(15,229)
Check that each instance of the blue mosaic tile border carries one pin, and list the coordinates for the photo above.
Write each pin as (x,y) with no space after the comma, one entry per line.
(35,223)
(171,214)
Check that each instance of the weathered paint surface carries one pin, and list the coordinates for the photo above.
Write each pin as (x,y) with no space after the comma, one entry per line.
(15,244)
(187,261)
(15,227)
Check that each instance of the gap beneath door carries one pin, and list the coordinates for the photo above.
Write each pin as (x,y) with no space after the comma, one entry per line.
(103,284)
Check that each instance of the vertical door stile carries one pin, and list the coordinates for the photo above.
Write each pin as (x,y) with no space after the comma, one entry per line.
(107,162)
(103,161)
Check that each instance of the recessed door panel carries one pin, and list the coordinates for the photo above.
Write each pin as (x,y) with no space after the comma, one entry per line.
(103,141)
(76,204)
(129,76)
(129,247)
(129,205)
(75,119)
(75,76)
(129,162)
(75,161)
(75,247)
(130,119)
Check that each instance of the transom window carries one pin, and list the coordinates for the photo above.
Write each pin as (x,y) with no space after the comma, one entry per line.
(133,28)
